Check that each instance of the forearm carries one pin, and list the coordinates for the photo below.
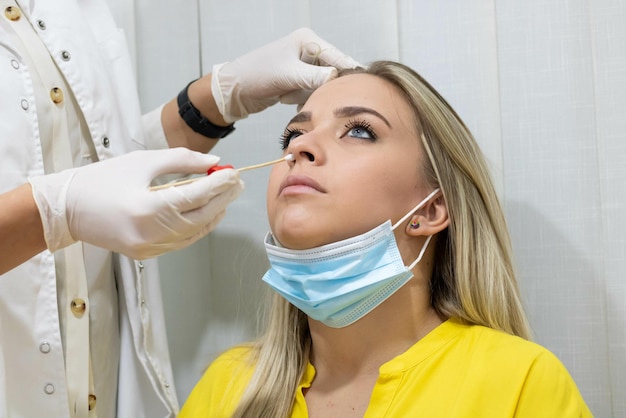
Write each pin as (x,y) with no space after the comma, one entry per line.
(177,132)
(21,230)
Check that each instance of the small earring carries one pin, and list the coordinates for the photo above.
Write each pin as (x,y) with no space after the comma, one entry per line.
(415,224)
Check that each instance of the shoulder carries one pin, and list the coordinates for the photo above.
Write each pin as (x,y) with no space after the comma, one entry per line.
(483,353)
(222,385)
(233,365)
(233,357)
(501,338)
(539,378)
(505,354)
(494,344)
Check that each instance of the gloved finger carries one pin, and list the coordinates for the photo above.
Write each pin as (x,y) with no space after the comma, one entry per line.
(296,97)
(310,52)
(320,52)
(317,51)
(205,214)
(193,225)
(310,77)
(333,57)
(182,160)
(187,231)
(210,226)
(199,193)
(185,241)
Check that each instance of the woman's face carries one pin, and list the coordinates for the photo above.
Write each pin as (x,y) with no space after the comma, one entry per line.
(357,164)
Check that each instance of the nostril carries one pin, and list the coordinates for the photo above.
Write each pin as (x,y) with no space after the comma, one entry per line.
(309,156)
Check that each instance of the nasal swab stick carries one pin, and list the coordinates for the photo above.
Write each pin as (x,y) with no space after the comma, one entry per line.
(288,157)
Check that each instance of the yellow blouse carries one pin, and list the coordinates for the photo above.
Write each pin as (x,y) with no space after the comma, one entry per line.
(455,371)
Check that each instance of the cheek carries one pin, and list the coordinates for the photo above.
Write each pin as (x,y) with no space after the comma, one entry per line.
(277,174)
(393,189)
(391,179)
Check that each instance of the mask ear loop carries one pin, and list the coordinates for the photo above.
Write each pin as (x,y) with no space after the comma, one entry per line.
(432,161)
(419,205)
(406,217)
(421,254)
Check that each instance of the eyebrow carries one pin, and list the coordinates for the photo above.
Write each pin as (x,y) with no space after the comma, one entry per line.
(342,112)
(345,112)
(300,117)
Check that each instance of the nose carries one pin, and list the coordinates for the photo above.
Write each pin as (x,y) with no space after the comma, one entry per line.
(304,149)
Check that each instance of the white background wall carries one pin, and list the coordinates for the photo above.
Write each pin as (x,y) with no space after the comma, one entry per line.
(541,83)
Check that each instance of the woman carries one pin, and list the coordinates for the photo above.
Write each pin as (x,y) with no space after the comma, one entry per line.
(352,331)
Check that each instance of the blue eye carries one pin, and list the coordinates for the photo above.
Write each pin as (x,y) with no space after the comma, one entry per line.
(287,136)
(360,129)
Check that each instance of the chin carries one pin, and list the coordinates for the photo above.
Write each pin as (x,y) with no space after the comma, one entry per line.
(293,242)
(298,238)
(296,230)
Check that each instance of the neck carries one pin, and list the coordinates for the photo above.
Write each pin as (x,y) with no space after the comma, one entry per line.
(389,330)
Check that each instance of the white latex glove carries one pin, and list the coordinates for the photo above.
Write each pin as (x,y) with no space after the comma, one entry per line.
(109,203)
(286,70)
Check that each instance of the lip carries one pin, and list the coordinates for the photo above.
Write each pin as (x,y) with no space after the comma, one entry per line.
(295,184)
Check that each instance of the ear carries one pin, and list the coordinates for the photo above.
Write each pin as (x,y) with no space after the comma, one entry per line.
(430,219)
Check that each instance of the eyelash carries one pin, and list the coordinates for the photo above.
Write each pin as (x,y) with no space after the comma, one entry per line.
(363,124)
(287,136)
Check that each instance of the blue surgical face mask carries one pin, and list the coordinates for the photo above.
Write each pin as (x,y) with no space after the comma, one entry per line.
(339,283)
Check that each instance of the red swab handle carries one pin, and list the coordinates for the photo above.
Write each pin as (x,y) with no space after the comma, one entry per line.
(217,168)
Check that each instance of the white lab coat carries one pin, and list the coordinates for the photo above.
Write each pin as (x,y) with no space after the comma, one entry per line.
(91,52)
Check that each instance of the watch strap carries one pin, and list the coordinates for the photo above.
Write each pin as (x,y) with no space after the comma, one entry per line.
(196,121)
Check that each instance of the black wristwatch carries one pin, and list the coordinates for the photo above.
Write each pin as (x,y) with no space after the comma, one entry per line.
(196,121)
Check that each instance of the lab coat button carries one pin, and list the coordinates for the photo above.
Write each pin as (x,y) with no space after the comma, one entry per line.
(15,64)
(78,307)
(41,24)
(24,104)
(13,13)
(56,94)
(92,402)
(65,56)
(45,347)
(106,142)
(49,388)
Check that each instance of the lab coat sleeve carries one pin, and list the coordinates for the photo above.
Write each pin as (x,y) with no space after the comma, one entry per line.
(154,138)
(153,129)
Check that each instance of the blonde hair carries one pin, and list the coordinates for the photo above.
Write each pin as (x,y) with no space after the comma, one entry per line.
(473,277)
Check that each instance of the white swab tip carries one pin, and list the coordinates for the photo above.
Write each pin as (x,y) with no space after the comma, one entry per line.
(289,157)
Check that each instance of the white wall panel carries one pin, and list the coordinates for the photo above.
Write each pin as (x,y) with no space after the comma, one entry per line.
(608,35)
(167,48)
(550,150)
(453,45)
(366,30)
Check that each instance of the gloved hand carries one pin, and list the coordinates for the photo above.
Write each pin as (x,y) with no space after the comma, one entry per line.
(109,203)
(286,70)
